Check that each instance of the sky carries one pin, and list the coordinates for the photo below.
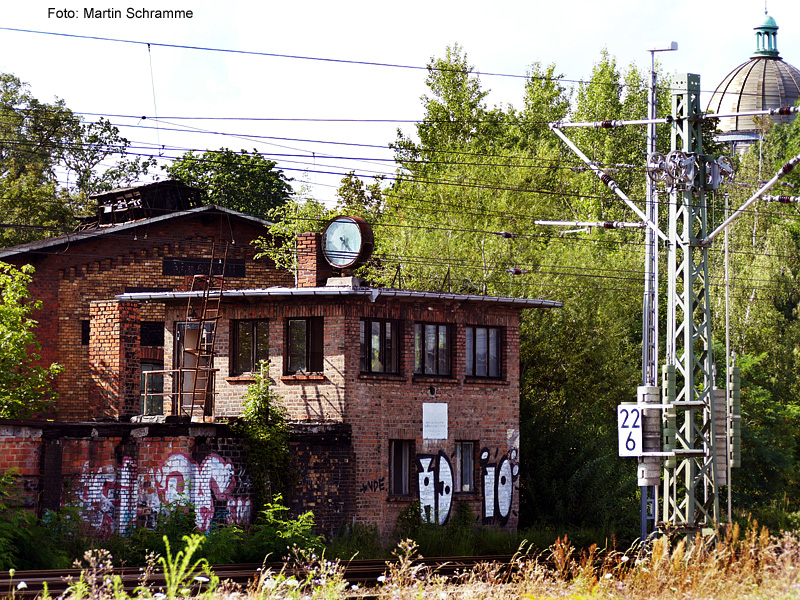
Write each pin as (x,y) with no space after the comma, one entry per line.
(319,119)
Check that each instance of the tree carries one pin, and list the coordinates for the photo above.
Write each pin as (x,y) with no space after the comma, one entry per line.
(42,144)
(241,181)
(24,384)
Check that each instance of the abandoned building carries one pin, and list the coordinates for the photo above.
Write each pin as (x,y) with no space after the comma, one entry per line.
(146,238)
(395,396)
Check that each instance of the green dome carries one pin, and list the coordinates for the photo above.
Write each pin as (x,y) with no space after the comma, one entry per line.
(767,38)
(768,22)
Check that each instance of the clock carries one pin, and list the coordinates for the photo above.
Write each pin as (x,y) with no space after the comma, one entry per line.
(347,242)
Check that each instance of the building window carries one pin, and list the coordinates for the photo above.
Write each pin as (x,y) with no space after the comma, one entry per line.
(431,349)
(464,466)
(152,333)
(400,467)
(85,325)
(152,389)
(482,351)
(380,344)
(250,345)
(304,345)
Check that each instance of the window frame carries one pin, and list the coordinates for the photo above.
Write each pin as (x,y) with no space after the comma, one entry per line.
(391,345)
(314,353)
(256,356)
(471,357)
(421,351)
(461,461)
(406,459)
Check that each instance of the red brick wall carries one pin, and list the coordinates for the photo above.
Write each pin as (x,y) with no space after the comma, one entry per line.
(69,278)
(384,407)
(122,475)
(312,269)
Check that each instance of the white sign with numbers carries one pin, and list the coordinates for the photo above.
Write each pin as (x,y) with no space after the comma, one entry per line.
(629,428)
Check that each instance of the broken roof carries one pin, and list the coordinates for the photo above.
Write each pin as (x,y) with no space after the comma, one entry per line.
(82,236)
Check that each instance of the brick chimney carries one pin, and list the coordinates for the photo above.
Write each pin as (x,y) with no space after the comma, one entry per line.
(312,268)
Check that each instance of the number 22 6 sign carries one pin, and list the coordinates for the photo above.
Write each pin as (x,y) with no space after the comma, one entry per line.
(629,429)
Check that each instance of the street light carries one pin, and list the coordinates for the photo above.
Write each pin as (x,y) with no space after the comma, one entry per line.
(650,308)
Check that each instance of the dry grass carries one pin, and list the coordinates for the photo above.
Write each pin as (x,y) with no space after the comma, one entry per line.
(750,564)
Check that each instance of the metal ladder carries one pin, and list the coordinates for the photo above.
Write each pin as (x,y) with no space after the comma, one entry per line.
(203,309)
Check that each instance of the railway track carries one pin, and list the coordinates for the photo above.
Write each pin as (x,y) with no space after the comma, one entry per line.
(364,573)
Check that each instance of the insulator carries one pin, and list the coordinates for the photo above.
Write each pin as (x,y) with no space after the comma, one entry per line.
(515,271)
(787,168)
(606,179)
(507,234)
(607,124)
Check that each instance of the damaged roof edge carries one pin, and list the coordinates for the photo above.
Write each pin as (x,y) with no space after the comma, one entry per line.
(80,236)
(372,293)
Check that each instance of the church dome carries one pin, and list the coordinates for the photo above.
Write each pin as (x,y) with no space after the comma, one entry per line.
(765,81)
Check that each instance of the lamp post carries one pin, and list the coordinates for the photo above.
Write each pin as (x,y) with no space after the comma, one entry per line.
(650,305)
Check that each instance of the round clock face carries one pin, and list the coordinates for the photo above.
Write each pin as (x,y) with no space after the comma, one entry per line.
(343,242)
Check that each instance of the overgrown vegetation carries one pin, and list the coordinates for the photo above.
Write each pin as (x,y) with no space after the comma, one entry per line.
(746,563)
(24,383)
(265,433)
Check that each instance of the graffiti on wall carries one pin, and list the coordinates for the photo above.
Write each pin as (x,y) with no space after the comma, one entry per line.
(435,487)
(108,496)
(113,498)
(498,482)
(376,485)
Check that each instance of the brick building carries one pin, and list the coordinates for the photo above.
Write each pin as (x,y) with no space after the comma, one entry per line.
(395,396)
(146,238)
(422,386)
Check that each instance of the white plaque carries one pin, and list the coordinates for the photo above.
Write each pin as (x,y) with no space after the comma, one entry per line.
(434,421)
(629,429)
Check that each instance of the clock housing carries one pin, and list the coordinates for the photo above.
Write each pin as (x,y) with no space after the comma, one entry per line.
(347,242)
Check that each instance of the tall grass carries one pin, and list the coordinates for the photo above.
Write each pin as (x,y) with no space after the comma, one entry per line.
(748,563)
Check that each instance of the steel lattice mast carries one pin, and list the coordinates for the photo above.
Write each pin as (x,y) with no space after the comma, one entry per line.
(690,485)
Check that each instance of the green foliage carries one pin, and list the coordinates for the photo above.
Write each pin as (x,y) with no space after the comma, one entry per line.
(356,541)
(265,433)
(181,570)
(24,384)
(275,533)
(174,521)
(288,221)
(41,139)
(242,181)
(29,543)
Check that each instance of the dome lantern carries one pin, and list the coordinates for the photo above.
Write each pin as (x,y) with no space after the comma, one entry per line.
(766,38)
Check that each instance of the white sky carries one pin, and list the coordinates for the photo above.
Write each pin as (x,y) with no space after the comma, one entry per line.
(504,36)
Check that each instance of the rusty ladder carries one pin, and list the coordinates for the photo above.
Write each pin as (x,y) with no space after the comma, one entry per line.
(204,309)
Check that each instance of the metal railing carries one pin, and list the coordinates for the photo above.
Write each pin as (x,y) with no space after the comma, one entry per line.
(178,401)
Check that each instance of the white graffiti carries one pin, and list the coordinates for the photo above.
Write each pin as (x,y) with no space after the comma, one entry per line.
(107,496)
(498,485)
(111,496)
(435,477)
(180,478)
(435,487)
